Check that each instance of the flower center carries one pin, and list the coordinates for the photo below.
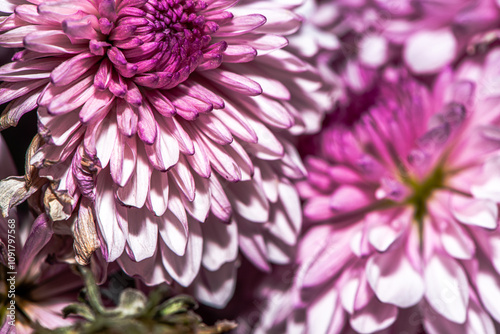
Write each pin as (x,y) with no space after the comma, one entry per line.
(179,34)
(422,191)
(159,42)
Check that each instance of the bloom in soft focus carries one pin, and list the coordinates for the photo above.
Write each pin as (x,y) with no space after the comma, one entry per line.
(402,210)
(44,283)
(159,115)
(352,41)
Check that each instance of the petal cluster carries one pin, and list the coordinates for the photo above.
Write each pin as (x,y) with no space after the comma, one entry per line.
(168,125)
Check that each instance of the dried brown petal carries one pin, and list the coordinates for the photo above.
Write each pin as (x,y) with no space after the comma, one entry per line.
(85,235)
(13,191)
(58,206)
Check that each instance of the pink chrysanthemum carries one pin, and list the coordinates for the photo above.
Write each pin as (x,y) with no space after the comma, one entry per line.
(156,113)
(403,212)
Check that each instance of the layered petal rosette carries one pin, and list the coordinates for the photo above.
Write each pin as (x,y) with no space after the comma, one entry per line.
(402,210)
(159,115)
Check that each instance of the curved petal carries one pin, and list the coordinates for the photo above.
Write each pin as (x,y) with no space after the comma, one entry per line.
(447,287)
(394,280)
(184,268)
(374,317)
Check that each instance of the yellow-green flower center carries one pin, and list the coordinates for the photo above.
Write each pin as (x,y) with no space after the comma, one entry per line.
(422,191)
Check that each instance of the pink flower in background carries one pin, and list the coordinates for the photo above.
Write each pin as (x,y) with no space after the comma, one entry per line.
(351,41)
(44,284)
(402,210)
(159,115)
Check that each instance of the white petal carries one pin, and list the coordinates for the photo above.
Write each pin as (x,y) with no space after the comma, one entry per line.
(252,243)
(183,178)
(106,217)
(249,201)
(280,226)
(488,288)
(475,212)
(394,280)
(437,324)
(490,190)
(291,203)
(373,50)
(381,237)
(320,313)
(478,320)
(220,205)
(278,252)
(220,243)
(447,288)
(457,242)
(216,288)
(136,190)
(173,232)
(175,204)
(158,194)
(348,294)
(200,206)
(269,182)
(184,269)
(106,137)
(169,148)
(374,317)
(150,270)
(142,233)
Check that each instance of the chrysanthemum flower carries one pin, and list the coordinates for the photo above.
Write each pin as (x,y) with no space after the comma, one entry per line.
(159,115)
(403,211)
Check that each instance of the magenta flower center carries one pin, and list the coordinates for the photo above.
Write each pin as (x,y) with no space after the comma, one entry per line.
(158,43)
(179,34)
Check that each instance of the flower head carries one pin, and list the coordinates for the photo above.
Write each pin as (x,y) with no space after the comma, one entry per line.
(403,210)
(152,111)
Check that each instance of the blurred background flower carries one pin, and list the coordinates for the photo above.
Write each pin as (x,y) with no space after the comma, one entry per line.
(352,41)
(44,282)
(402,213)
